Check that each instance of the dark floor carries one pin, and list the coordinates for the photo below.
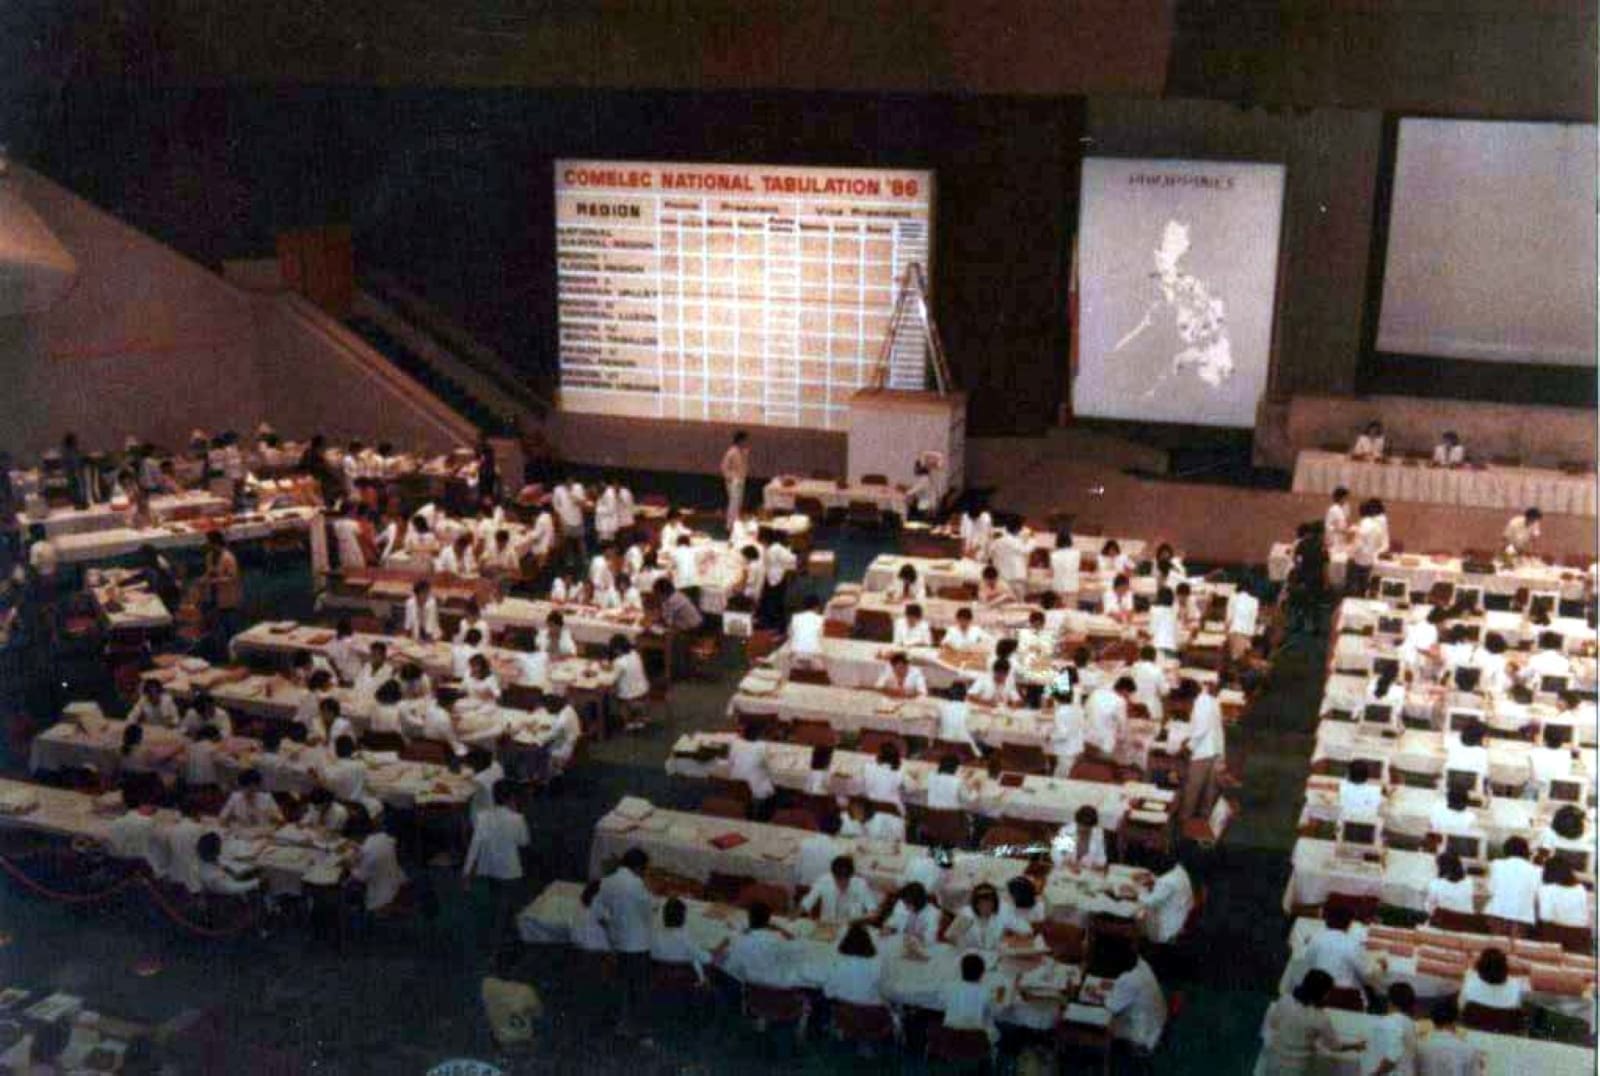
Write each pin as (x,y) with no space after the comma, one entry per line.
(404,1001)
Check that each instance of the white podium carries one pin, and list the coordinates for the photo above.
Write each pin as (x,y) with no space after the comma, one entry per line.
(891,429)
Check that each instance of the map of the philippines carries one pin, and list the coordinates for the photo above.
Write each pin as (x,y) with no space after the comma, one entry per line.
(1200,317)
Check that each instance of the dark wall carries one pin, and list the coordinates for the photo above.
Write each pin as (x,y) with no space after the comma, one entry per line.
(452,190)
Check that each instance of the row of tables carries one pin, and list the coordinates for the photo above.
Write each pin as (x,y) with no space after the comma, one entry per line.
(1512,488)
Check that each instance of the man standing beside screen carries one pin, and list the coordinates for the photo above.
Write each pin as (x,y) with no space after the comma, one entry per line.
(735,466)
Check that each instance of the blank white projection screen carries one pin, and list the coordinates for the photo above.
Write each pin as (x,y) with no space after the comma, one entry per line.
(1492,243)
(1177,269)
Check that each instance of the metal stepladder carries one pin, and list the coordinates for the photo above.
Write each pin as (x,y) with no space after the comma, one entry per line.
(912,303)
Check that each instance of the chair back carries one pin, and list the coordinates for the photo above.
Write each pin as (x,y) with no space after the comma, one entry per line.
(1572,939)
(1459,922)
(863,1023)
(796,818)
(723,888)
(803,675)
(948,827)
(773,1005)
(874,625)
(1347,998)
(958,1046)
(773,896)
(1026,758)
(813,733)
(715,806)
(1488,1018)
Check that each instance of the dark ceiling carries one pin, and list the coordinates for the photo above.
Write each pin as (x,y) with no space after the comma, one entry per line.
(1512,58)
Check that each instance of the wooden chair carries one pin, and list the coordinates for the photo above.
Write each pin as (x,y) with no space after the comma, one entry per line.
(1068,942)
(947,827)
(728,788)
(957,1046)
(1347,998)
(1363,909)
(961,592)
(873,740)
(724,888)
(1093,770)
(874,480)
(863,1023)
(813,734)
(1005,835)
(432,751)
(674,982)
(865,514)
(715,806)
(1023,758)
(667,884)
(874,625)
(1571,939)
(775,897)
(802,675)
(777,1008)
(1499,1021)
(796,818)
(1459,922)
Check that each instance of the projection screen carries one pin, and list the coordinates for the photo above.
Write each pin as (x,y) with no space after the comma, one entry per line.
(1177,267)
(733,293)
(1491,252)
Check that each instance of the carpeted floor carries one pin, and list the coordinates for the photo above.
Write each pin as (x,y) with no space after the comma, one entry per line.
(402,1001)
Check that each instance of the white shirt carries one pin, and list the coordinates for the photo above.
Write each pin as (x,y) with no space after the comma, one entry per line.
(953,726)
(1010,555)
(1447,455)
(881,784)
(989,693)
(1206,738)
(854,980)
(1443,820)
(779,560)
(970,1007)
(915,685)
(625,903)
(1368,446)
(944,792)
(1067,733)
(632,680)
(685,567)
(543,535)
(1114,604)
(1137,1006)
(589,928)
(833,905)
(907,634)
(1458,756)
(1164,627)
(347,536)
(1244,610)
(163,713)
(673,945)
(805,633)
(1519,533)
(922,925)
(816,854)
(884,826)
(43,558)
(1335,521)
(1507,995)
(747,762)
(564,647)
(763,957)
(1065,565)
(1369,542)
(1360,801)
(1106,713)
(1448,1053)
(568,507)
(250,810)
(426,624)
(971,932)
(1549,763)
(735,464)
(1340,954)
(1149,684)
(1167,905)
(971,638)
(1451,896)
(607,513)
(566,732)
(1564,905)
(1513,889)
(498,835)
(1064,847)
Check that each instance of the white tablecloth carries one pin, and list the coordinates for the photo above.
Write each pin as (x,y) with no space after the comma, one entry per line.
(121,541)
(1420,573)
(779,495)
(1509,488)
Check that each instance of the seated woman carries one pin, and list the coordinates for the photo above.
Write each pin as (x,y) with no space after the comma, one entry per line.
(1081,844)
(1370,445)
(1449,452)
(1489,983)
(985,922)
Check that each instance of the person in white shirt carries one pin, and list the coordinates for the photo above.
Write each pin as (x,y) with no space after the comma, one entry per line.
(1394,1033)
(672,943)
(947,789)
(685,561)
(1419,649)
(1038,639)
(913,916)
(248,806)
(840,896)
(420,541)
(1357,797)
(1166,903)
(984,923)
(422,614)
(155,706)
(324,814)
(627,909)
(1563,901)
(763,954)
(1548,660)
(1336,520)
(1021,899)
(1370,445)
(345,652)
(1113,561)
(494,856)
(806,632)
(1369,542)
(778,562)
(882,779)
(501,557)
(1081,842)
(1452,890)
(346,778)
(607,515)
(200,758)
(818,850)
(953,727)
(992,590)
(966,635)
(976,529)
(566,730)
(1566,831)
(900,680)
(1466,755)
(1066,562)
(1297,1029)
(1068,730)
(480,684)
(1449,452)
(1106,716)
(428,719)
(1165,633)
(214,878)
(542,537)
(884,825)
(735,469)
(1445,1050)
(1242,617)
(1550,762)
(1207,750)
(1137,1006)
(1117,602)
(997,689)
(1522,531)
(1513,886)
(458,559)
(1338,949)
(1490,984)
(746,596)
(555,638)
(633,683)
(1009,554)
(1454,815)
(347,540)
(747,762)
(567,501)
(922,498)
(203,711)
(588,931)
(1149,682)
(972,1004)
(908,586)
(911,629)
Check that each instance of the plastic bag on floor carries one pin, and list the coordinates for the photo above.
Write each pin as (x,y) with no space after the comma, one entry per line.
(513,1009)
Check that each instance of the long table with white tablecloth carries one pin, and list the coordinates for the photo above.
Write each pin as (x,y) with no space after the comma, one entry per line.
(121,541)
(1420,572)
(163,508)
(1487,486)
(781,493)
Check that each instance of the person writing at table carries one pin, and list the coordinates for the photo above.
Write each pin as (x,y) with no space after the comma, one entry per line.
(224,584)
(1297,1028)
(900,680)
(882,779)
(1521,532)
(953,727)
(155,706)
(422,614)
(1513,889)
(840,896)
(1359,797)
(1449,452)
(249,806)
(997,689)
(985,922)
(1117,602)
(1370,445)
(911,629)
(764,955)
(992,590)
(1081,843)
(747,762)
(966,635)
(908,586)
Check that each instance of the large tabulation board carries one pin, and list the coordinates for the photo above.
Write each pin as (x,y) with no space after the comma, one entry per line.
(733,293)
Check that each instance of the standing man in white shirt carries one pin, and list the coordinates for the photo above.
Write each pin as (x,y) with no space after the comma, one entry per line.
(806,632)
(1244,611)
(1513,889)
(1207,753)
(1336,521)
(1371,542)
(1009,554)
(840,896)
(626,907)
(422,614)
(1066,562)
(778,563)
(494,855)
(567,504)
(1522,531)
(1137,1006)
(735,469)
